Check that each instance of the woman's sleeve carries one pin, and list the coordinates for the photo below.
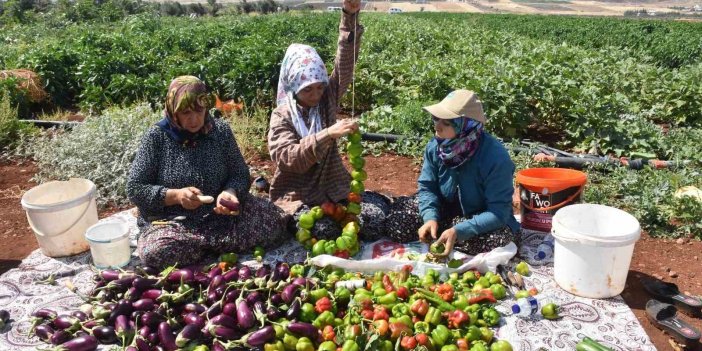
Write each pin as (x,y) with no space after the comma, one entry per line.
(240,177)
(428,192)
(142,189)
(288,151)
(349,44)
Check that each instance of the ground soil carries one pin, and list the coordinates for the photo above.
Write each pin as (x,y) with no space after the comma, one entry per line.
(662,258)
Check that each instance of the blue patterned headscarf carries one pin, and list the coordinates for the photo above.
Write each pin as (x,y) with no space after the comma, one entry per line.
(456,151)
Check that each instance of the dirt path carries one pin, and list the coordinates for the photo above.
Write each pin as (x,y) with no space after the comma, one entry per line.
(671,260)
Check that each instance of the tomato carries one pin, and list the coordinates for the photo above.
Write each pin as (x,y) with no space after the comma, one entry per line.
(523,269)
(353,197)
(359,175)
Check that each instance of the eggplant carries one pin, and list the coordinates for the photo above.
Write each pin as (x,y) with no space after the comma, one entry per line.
(123,308)
(65,322)
(81,333)
(231,275)
(212,297)
(232,295)
(263,271)
(165,335)
(132,294)
(92,324)
(142,344)
(277,299)
(220,290)
(81,343)
(215,271)
(300,281)
(86,308)
(223,333)
(44,313)
(122,324)
(253,297)
(244,273)
(273,313)
(214,310)
(216,281)
(229,309)
(260,337)
(189,333)
(195,308)
(59,337)
(121,284)
(148,270)
(185,275)
(231,205)
(44,332)
(153,338)
(80,315)
(105,334)
(201,279)
(193,318)
(293,310)
(136,315)
(303,329)
(289,293)
(217,346)
(151,319)
(151,294)
(142,283)
(224,321)
(284,270)
(143,305)
(144,332)
(131,348)
(109,275)
(101,312)
(244,316)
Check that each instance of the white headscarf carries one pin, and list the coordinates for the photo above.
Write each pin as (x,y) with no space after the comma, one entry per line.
(301,67)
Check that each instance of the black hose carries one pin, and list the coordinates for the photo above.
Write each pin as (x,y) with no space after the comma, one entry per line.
(51,124)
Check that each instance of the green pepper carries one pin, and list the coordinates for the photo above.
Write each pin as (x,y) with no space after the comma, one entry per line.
(304,344)
(473,333)
(289,341)
(401,309)
(350,345)
(449,348)
(501,345)
(297,270)
(456,334)
(230,258)
(406,320)
(338,322)
(486,334)
(318,248)
(521,294)
(386,345)
(423,328)
(440,335)
(460,302)
(324,319)
(498,291)
(387,299)
(318,294)
(279,331)
(473,318)
(478,346)
(484,281)
(473,308)
(330,248)
(342,295)
(307,313)
(327,346)
(433,316)
(491,317)
(378,276)
(379,291)
(259,252)
(277,346)
(469,277)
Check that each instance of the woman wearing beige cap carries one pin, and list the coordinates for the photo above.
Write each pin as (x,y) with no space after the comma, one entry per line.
(465,188)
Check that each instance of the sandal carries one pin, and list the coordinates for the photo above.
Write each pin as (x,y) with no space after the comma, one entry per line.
(669,293)
(663,316)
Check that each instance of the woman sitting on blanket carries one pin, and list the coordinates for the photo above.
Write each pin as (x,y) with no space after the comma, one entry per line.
(465,188)
(303,133)
(186,154)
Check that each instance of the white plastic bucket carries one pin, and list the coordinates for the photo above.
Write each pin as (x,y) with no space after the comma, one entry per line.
(593,249)
(59,212)
(109,244)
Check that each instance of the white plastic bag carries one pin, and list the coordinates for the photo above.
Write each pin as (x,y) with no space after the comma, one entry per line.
(384,255)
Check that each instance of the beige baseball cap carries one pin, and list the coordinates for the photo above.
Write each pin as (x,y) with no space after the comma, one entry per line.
(458,103)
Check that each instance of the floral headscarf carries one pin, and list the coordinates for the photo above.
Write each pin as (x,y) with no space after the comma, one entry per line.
(456,151)
(186,92)
(301,67)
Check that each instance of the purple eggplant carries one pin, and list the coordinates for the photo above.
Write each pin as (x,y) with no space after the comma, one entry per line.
(152,294)
(153,338)
(81,343)
(289,293)
(259,337)
(144,332)
(44,332)
(110,275)
(66,322)
(59,337)
(244,273)
(91,324)
(224,321)
(105,334)
(244,315)
(151,319)
(132,294)
(142,283)
(212,297)
(122,324)
(121,284)
(273,313)
(263,271)
(80,315)
(223,333)
(81,333)
(253,297)
(136,315)
(277,299)
(300,281)
(229,309)
(217,346)
(188,334)
(193,318)
(142,344)
(194,307)
(44,313)
(185,275)
(148,270)
(232,295)
(281,272)
(123,308)
(214,310)
(215,271)
(131,348)
(143,305)
(293,310)
(231,275)
(216,281)
(303,329)
(165,335)
(231,205)
(220,290)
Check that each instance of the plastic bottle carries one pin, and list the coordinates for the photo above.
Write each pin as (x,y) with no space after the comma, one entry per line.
(530,306)
(545,250)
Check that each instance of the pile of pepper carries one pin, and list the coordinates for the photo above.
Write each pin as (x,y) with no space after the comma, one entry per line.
(346,244)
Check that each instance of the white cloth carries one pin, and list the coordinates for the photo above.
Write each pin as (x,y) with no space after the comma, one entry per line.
(301,67)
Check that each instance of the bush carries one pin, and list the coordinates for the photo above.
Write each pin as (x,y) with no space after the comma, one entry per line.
(11,130)
(101,149)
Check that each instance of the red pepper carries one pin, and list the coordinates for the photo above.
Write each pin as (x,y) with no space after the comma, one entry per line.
(408,342)
(323,304)
(387,283)
(457,318)
(462,344)
(445,291)
(367,314)
(482,295)
(381,312)
(423,339)
(402,293)
(397,329)
(328,333)
(533,292)
(420,307)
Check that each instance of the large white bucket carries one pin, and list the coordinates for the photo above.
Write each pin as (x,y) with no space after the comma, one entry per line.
(59,213)
(593,249)
(109,244)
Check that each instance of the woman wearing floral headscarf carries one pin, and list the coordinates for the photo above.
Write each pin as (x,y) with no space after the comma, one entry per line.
(465,187)
(303,128)
(186,154)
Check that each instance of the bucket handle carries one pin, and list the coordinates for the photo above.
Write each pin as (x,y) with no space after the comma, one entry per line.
(552,207)
(87,206)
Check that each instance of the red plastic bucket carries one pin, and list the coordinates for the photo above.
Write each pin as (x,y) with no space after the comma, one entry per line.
(542,191)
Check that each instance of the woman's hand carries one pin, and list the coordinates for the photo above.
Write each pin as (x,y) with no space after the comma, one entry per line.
(342,127)
(228,195)
(187,197)
(448,238)
(352,6)
(429,228)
